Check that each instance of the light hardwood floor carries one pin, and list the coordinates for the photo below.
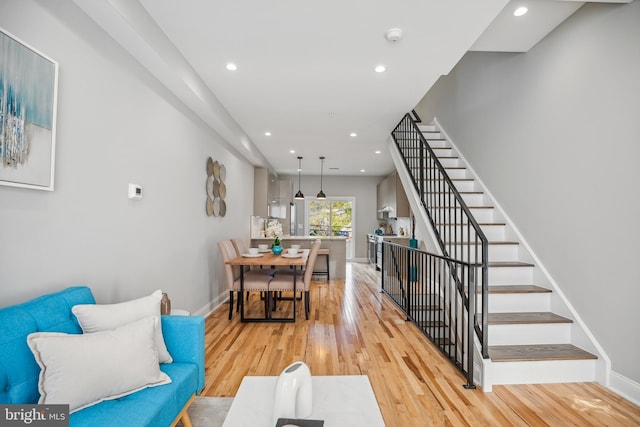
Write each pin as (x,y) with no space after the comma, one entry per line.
(353,329)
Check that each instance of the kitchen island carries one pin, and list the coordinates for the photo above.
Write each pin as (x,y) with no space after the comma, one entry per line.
(337,245)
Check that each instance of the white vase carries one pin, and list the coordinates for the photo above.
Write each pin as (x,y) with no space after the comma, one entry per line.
(293,393)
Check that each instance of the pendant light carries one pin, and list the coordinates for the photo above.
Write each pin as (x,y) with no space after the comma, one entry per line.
(299,195)
(321,195)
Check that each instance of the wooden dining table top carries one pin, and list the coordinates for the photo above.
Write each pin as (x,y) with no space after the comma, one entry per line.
(269,258)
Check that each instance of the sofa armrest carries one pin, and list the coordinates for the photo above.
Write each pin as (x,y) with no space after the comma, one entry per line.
(184,338)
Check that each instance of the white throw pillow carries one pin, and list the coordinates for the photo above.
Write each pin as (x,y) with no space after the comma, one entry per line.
(103,317)
(84,369)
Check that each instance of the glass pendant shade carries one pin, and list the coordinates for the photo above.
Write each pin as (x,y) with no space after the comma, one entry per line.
(299,195)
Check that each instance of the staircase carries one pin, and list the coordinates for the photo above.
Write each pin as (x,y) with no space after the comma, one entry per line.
(529,342)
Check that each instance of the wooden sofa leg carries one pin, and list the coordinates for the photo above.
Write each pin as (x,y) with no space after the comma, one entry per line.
(184,415)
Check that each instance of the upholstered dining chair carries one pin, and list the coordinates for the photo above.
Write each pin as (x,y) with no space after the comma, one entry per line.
(283,280)
(252,282)
(241,249)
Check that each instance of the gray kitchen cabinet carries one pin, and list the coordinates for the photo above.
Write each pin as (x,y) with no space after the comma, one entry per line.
(392,200)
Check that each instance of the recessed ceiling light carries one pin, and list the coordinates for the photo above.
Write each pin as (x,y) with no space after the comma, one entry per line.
(378,151)
(292,151)
(362,170)
(520,11)
(231,66)
(267,133)
(353,134)
(380,69)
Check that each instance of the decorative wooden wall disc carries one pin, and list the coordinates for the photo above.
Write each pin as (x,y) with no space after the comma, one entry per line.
(216,189)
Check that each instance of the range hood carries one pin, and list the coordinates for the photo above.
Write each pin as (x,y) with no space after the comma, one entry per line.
(385,212)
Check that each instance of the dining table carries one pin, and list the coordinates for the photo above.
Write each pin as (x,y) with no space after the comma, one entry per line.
(298,261)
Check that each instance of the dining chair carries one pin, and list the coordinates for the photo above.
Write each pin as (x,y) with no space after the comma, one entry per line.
(241,249)
(283,280)
(252,282)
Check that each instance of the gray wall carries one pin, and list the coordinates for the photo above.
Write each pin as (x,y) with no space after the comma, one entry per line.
(363,188)
(554,135)
(116,125)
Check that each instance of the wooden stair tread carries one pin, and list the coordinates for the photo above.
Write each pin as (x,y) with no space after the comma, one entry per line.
(461,192)
(452,179)
(541,352)
(439,157)
(510,264)
(470,207)
(519,318)
(484,224)
(446,167)
(490,243)
(516,289)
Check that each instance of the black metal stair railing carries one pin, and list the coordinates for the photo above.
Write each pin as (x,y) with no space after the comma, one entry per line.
(425,287)
(459,235)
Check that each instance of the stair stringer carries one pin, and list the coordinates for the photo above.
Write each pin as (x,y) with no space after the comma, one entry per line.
(581,336)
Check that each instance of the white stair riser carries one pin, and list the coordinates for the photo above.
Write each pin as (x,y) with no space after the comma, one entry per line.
(496,252)
(493,233)
(557,371)
(453,173)
(543,333)
(449,163)
(510,275)
(465,186)
(481,215)
(427,128)
(457,173)
(521,302)
(503,252)
(442,194)
(437,143)
(474,199)
(443,151)
(438,185)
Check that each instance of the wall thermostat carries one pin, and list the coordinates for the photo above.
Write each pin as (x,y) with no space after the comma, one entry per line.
(135,191)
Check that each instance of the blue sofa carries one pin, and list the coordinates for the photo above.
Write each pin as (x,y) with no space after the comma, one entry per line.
(156,406)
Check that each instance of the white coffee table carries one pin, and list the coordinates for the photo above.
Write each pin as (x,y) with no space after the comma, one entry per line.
(341,401)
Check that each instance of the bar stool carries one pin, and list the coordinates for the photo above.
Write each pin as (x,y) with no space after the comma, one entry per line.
(325,253)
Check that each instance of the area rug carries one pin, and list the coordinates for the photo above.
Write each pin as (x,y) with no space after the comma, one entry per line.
(208,411)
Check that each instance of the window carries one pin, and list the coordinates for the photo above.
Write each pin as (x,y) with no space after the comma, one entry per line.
(331,217)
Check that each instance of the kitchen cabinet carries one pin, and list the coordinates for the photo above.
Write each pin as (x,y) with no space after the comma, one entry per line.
(281,202)
(392,200)
(265,185)
(271,197)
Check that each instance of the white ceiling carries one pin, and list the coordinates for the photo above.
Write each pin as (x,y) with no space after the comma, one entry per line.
(305,69)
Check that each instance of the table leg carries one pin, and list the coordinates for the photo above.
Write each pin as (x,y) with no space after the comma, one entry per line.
(295,276)
(242,293)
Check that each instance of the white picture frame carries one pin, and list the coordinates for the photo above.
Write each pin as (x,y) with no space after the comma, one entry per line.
(28,108)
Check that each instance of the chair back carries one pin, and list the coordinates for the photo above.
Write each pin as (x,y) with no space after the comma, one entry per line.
(227,252)
(311,262)
(239,246)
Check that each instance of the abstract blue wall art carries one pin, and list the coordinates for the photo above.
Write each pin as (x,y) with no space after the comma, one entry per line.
(28,99)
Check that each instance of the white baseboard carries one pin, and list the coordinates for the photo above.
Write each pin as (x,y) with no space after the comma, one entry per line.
(625,387)
(212,305)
